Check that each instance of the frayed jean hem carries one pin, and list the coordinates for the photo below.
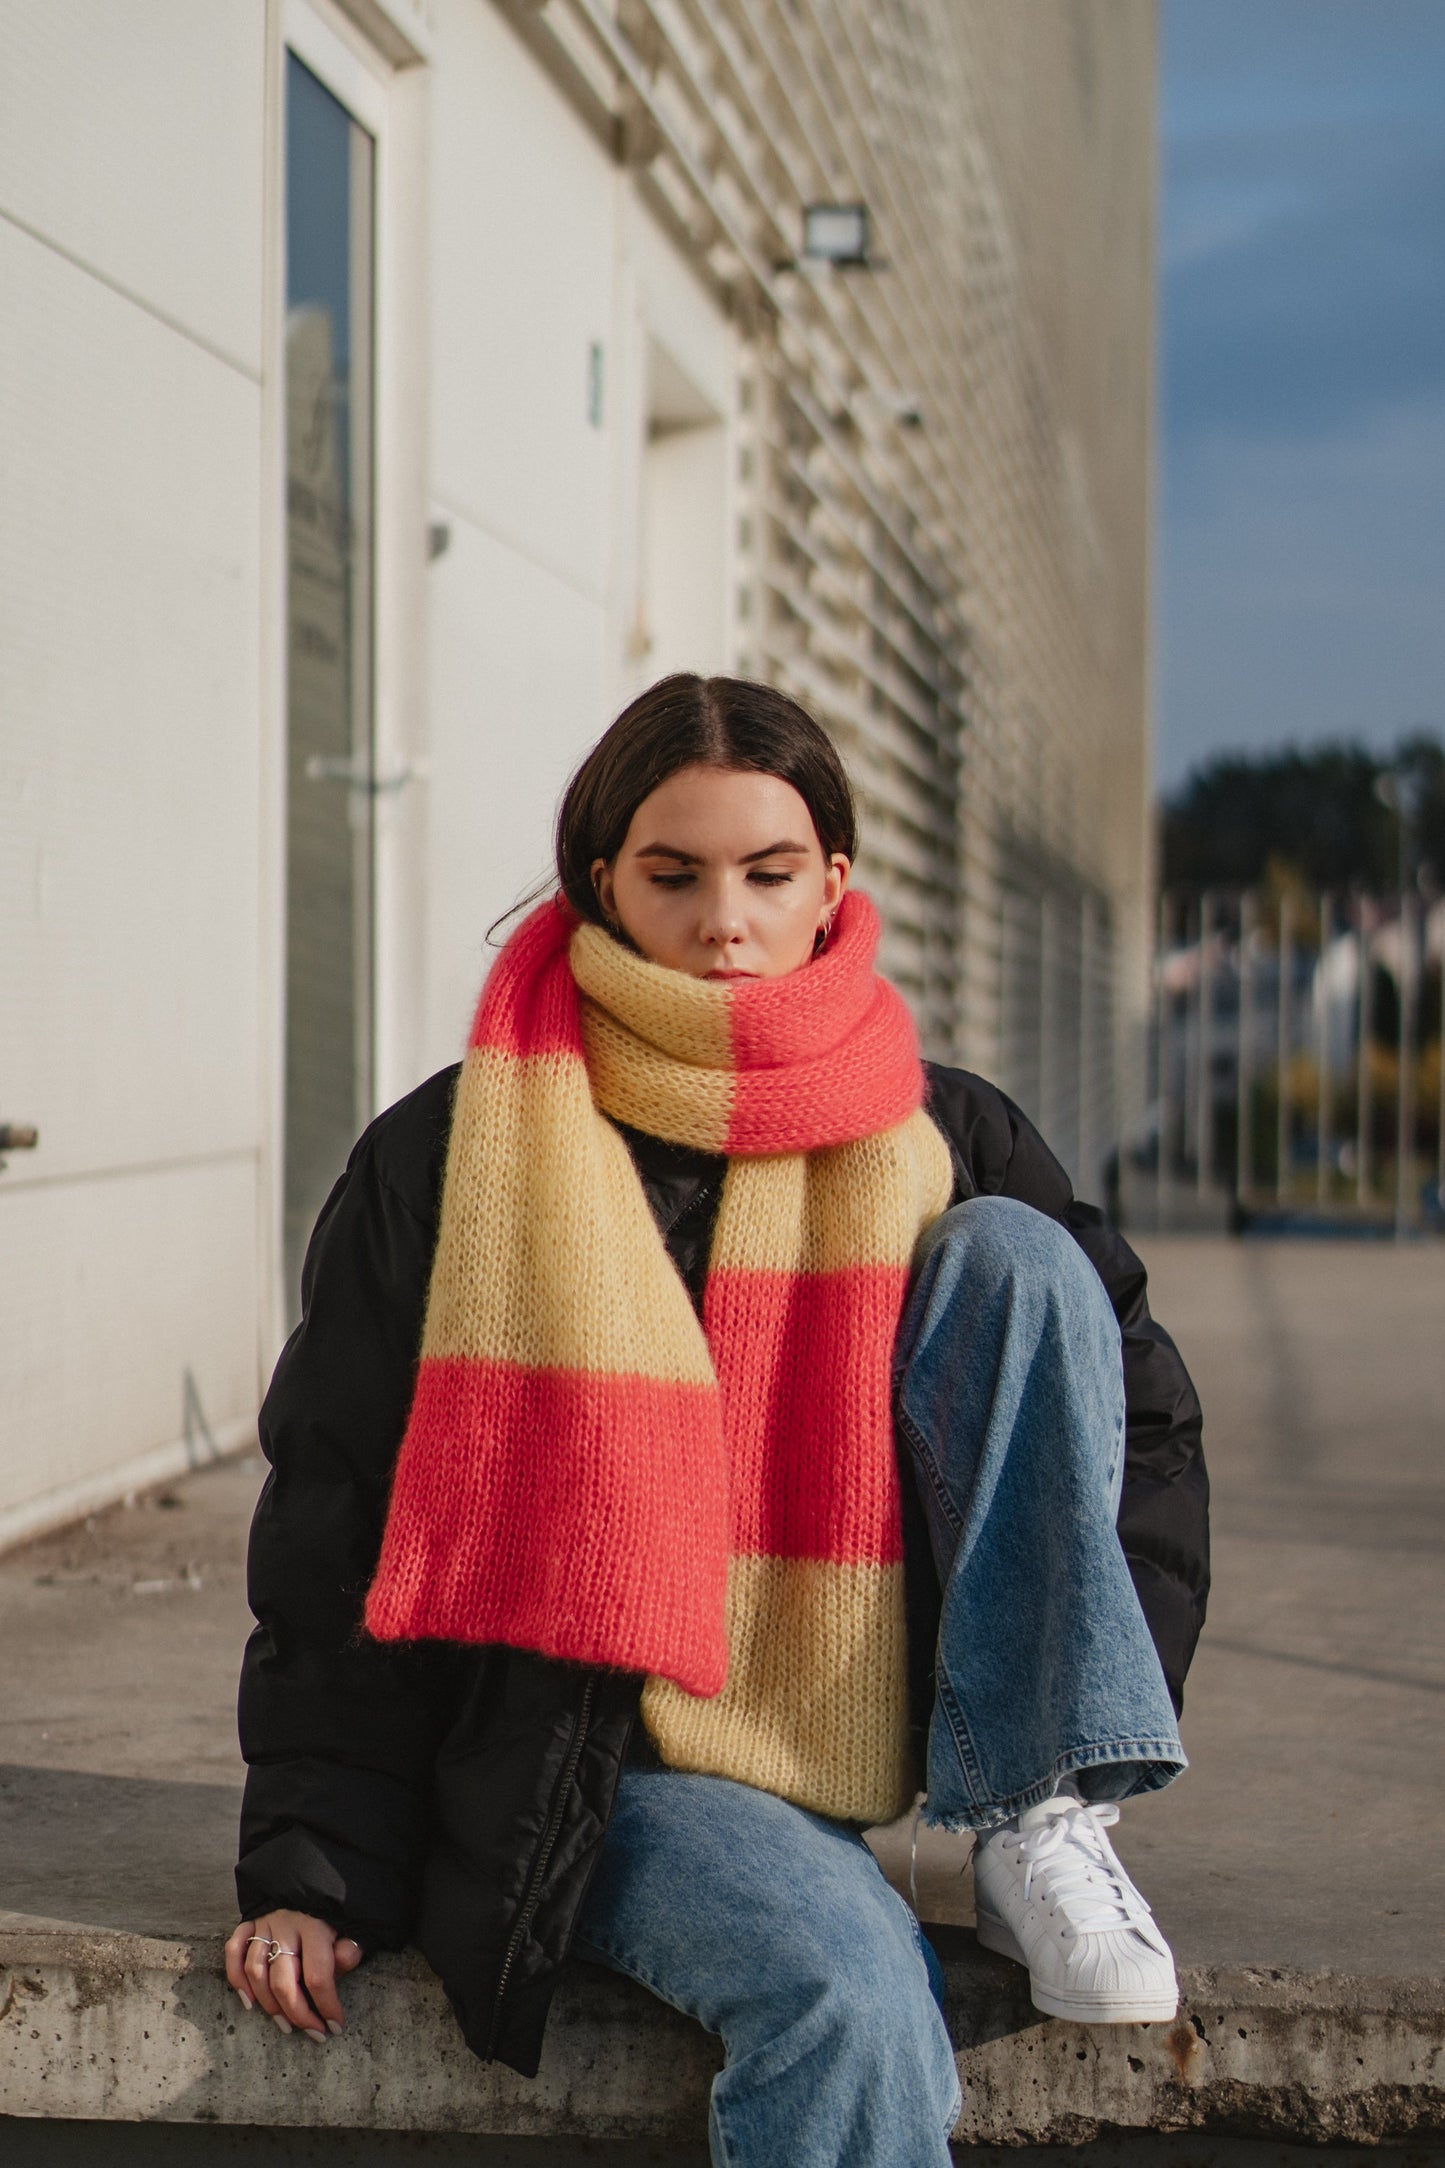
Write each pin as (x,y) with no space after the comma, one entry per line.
(1157,1762)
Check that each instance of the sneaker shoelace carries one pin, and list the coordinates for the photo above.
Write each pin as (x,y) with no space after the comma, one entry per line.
(1075,1865)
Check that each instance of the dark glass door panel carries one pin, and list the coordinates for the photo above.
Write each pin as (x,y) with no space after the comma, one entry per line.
(330,217)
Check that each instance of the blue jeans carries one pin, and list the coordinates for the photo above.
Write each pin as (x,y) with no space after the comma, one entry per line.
(775,1929)
(773,1926)
(1009,1399)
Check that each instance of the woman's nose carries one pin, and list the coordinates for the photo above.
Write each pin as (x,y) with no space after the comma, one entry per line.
(722,920)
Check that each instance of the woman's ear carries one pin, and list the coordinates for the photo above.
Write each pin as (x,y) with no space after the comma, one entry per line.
(835,880)
(602,883)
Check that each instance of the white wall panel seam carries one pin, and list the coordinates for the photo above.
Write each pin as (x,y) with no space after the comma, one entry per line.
(126,293)
(451,508)
(19,1183)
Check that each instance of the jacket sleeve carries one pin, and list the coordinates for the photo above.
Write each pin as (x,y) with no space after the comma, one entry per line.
(1164,1509)
(340,1733)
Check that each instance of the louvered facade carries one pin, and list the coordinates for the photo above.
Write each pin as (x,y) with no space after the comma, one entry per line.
(944,463)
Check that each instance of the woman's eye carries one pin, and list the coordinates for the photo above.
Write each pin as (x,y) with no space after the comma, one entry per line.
(758,877)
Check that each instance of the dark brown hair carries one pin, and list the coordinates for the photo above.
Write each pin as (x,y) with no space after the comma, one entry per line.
(688,721)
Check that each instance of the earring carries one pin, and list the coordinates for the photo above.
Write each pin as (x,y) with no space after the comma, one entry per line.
(820,938)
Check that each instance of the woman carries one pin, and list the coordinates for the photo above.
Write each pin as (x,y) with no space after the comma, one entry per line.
(646,1619)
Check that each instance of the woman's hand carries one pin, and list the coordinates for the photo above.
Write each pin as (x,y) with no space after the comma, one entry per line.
(312,1953)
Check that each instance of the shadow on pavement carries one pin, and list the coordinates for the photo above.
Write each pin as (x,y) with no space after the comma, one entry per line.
(145,1855)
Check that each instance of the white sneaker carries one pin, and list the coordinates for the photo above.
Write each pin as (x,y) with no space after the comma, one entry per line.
(1053,1896)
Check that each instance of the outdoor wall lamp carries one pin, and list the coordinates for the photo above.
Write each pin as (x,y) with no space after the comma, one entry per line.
(839,234)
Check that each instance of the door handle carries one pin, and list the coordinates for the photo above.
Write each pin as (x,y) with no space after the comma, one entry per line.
(356,775)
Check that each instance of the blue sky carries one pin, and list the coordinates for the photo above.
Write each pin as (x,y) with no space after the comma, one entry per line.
(1300,590)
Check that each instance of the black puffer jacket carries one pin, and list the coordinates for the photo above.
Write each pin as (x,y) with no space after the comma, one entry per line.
(457,1796)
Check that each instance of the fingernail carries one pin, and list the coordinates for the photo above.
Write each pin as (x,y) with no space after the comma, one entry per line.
(246,2002)
(333,2024)
(312,2034)
(283,2022)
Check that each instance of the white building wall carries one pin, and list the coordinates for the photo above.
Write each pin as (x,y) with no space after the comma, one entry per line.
(130,339)
(142,722)
(676,558)
(549,283)
(523,256)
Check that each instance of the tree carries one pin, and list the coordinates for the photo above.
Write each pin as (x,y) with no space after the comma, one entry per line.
(1317,814)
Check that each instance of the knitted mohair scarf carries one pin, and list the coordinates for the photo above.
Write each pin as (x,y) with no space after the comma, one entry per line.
(589,1472)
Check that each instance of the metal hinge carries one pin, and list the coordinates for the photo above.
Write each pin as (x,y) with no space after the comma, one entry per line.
(17,1137)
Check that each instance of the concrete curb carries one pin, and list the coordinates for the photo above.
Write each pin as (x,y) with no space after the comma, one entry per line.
(1309,2057)
(125,2028)
(35,1517)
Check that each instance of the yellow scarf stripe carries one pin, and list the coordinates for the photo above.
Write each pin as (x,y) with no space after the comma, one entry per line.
(588,1285)
(816,1702)
(852,1204)
(641,1087)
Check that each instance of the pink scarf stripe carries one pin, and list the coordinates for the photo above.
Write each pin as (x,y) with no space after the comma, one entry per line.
(627,1477)
(772,1336)
(824,1055)
(873,1082)
(807,1015)
(529,1003)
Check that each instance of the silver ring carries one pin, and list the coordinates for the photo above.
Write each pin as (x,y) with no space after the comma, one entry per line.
(277,1950)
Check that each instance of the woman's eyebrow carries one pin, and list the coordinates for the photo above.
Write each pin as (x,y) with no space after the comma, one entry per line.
(776,850)
(784,849)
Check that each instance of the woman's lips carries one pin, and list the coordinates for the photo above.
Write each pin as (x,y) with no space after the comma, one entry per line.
(729,974)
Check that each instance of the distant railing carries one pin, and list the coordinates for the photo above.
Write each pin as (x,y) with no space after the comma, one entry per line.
(1295,1065)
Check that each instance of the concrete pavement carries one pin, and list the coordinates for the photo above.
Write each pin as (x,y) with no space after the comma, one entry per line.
(1307,1831)
(1295,1868)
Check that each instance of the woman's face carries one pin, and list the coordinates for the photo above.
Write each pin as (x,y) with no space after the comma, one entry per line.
(721,875)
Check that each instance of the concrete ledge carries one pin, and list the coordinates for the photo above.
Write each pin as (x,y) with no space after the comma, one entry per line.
(1321,2057)
(121,2027)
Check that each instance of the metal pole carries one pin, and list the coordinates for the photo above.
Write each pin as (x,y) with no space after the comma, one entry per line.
(1243,1143)
(1161,1034)
(1048,1035)
(1281,1057)
(1088,1126)
(1322,1056)
(1365,1110)
(1204,1090)
(1440,1111)
(1185,1022)
(1405,1108)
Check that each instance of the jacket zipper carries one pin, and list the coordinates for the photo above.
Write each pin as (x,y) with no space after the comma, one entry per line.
(531,1895)
(692,1204)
